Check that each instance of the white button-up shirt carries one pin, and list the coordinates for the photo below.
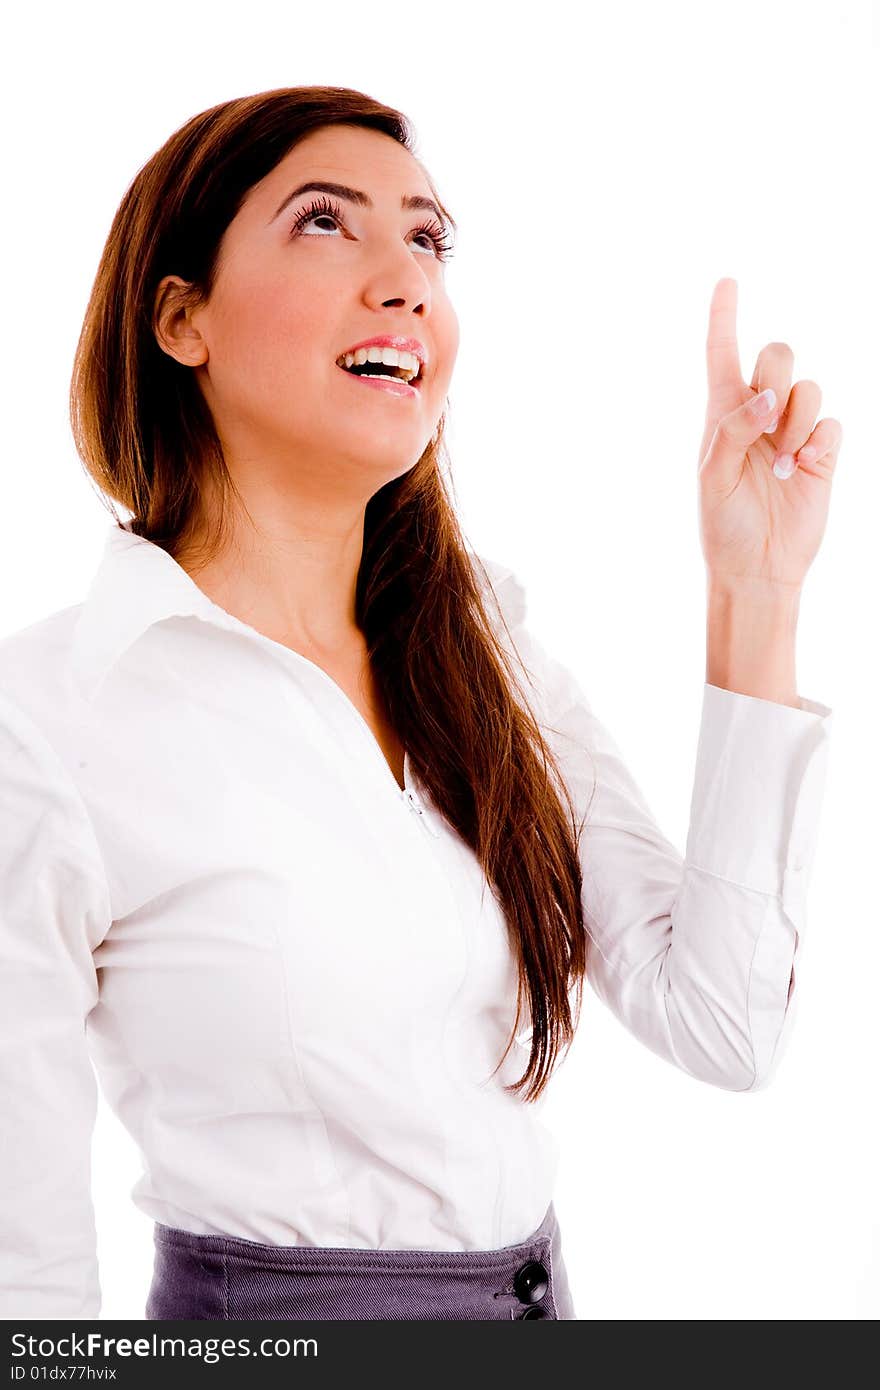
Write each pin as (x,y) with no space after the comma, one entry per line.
(291,976)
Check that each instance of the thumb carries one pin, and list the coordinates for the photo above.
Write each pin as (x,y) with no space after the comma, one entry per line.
(735,432)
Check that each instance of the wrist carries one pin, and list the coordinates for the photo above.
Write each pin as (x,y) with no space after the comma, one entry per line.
(762,592)
(750,639)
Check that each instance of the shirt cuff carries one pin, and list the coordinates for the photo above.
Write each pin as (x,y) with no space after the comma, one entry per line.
(758,787)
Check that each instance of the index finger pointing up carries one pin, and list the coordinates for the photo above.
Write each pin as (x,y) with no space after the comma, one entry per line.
(722,352)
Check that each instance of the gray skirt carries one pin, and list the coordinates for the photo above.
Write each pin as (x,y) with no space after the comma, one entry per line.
(219,1277)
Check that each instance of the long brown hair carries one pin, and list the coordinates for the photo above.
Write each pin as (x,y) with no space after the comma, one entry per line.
(147,438)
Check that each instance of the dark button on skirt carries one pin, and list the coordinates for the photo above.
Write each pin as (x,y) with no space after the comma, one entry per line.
(218,1277)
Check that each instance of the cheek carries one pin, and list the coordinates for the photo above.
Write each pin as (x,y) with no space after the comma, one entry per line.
(270,329)
(447,339)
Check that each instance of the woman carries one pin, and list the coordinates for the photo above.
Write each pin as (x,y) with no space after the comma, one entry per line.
(256,785)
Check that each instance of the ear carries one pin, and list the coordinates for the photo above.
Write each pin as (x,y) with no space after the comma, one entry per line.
(173,307)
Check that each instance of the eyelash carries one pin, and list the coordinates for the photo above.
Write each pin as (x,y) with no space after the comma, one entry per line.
(322,207)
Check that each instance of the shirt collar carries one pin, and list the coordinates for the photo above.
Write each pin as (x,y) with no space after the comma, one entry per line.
(137,584)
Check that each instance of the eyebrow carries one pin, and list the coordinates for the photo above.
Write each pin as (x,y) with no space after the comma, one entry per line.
(354,195)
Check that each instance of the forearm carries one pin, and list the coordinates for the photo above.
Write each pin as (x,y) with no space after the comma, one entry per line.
(750,640)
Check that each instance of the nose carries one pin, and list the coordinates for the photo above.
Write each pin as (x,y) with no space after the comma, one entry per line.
(409,280)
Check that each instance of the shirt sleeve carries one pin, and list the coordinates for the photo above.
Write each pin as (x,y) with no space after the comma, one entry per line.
(54,910)
(694,954)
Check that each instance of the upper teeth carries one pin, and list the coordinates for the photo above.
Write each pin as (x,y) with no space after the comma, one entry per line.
(392,357)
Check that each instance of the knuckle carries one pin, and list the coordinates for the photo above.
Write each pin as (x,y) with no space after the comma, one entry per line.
(825,426)
(780,350)
(726,428)
(810,386)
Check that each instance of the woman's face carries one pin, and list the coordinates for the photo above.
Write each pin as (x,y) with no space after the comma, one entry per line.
(288,300)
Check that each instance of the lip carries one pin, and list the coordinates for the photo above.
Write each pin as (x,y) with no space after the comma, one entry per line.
(395,388)
(385,340)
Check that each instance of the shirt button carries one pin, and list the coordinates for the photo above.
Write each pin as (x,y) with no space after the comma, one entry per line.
(530,1282)
(534,1312)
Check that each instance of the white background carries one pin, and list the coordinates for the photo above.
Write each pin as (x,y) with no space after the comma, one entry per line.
(606,165)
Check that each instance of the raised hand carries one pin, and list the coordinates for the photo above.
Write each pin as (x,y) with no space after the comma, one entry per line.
(760,524)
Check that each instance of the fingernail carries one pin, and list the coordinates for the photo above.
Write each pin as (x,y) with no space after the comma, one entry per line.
(763,404)
(784,465)
(771,428)
(807,454)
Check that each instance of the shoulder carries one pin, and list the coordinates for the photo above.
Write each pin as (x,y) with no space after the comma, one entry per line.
(35,668)
(551,686)
(503,586)
(40,716)
(535,674)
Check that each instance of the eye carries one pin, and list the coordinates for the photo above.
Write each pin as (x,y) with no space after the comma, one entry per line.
(323,208)
(440,237)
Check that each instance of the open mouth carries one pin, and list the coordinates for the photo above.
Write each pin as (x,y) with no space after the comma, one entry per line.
(384,371)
